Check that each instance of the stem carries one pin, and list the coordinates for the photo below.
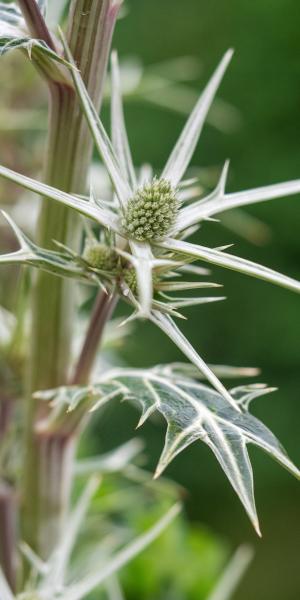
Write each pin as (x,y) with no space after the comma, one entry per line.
(35,22)
(102,311)
(68,157)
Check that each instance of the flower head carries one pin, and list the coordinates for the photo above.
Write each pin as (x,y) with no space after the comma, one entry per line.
(158,217)
(100,256)
(151,212)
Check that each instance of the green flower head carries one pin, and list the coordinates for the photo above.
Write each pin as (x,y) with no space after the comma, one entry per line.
(152,211)
(100,256)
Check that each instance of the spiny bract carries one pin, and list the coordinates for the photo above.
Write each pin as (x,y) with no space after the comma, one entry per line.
(152,211)
(100,256)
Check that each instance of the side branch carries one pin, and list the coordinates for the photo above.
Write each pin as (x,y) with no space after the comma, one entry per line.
(36,22)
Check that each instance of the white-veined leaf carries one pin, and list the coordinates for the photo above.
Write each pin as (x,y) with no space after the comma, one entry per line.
(14,34)
(186,302)
(177,286)
(218,201)
(186,144)
(101,139)
(167,325)
(104,217)
(193,412)
(10,13)
(222,371)
(230,261)
(62,264)
(119,134)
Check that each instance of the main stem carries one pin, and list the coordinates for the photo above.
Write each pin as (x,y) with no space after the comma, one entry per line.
(48,462)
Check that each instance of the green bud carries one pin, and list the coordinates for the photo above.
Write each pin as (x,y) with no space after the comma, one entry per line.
(130,278)
(151,212)
(100,256)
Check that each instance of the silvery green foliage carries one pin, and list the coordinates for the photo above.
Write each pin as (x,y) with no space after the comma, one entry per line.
(193,412)
(172,251)
(64,263)
(61,578)
(54,580)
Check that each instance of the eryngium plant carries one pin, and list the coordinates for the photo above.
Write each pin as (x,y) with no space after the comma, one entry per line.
(132,247)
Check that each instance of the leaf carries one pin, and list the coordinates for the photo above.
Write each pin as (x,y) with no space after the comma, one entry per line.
(232,574)
(222,371)
(218,201)
(54,262)
(12,25)
(10,13)
(101,139)
(104,217)
(229,261)
(193,412)
(80,590)
(186,144)
(177,286)
(186,302)
(119,134)
(167,325)
(14,35)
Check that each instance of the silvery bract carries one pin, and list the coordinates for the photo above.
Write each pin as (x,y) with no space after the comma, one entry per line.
(141,255)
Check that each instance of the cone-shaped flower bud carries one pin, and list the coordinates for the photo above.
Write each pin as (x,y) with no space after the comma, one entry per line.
(100,256)
(151,212)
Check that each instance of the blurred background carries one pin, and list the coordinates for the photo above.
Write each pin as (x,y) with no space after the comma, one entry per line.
(255,123)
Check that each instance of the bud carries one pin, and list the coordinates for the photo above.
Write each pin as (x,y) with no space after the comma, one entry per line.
(100,256)
(151,212)
(130,278)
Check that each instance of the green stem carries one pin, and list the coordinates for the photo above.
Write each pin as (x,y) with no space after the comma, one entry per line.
(69,154)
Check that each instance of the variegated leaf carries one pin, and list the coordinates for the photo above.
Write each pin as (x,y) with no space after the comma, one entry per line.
(219,201)
(230,261)
(89,209)
(193,412)
(63,264)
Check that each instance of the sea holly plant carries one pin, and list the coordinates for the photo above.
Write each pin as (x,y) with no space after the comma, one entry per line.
(131,246)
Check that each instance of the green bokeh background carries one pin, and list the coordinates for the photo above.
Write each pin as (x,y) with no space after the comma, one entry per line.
(258,325)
